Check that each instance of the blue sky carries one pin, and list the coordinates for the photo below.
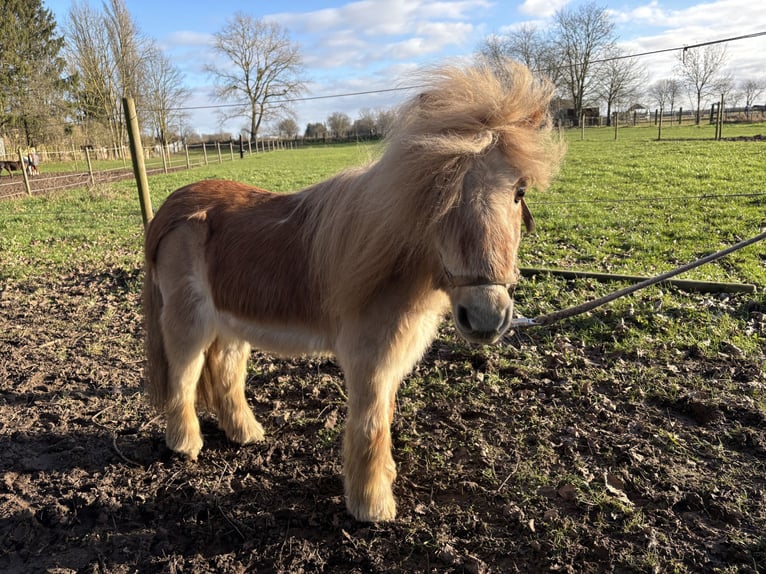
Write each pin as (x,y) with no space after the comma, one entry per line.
(374,44)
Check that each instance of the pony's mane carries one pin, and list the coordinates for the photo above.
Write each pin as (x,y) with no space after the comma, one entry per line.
(376,219)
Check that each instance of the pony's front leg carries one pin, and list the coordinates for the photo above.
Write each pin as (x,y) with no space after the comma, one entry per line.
(368,466)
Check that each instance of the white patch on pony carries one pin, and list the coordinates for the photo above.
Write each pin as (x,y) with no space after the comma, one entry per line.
(279,339)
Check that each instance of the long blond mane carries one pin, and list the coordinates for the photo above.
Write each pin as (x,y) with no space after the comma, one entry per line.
(373,222)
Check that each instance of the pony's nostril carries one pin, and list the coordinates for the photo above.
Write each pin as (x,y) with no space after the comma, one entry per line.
(462,318)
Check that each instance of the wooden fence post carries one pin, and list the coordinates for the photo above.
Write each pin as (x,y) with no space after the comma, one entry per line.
(218,147)
(186,151)
(719,120)
(231,149)
(164,159)
(24,173)
(91,179)
(204,151)
(659,128)
(137,153)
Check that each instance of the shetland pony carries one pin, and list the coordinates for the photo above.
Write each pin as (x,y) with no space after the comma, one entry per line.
(363,265)
(9,166)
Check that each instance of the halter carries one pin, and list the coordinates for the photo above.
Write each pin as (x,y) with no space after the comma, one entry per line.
(477,281)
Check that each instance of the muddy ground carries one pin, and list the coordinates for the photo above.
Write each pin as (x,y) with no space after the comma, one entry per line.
(546,455)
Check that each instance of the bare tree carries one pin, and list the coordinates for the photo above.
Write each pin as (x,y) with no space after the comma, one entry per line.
(338,123)
(384,119)
(288,128)
(108,54)
(89,58)
(583,35)
(619,79)
(164,93)
(665,93)
(364,125)
(751,90)
(130,48)
(526,44)
(260,64)
(701,71)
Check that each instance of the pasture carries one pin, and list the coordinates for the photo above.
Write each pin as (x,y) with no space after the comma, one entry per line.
(631,439)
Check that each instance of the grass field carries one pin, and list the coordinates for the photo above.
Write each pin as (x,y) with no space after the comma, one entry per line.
(632,439)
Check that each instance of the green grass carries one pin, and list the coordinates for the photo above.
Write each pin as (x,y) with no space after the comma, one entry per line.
(635,205)
(102,226)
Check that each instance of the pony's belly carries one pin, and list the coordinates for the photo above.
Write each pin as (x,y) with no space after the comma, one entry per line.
(285,339)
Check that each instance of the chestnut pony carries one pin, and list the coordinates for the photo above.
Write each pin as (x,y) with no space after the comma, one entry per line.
(363,265)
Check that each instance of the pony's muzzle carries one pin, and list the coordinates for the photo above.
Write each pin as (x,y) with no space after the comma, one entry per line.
(482,314)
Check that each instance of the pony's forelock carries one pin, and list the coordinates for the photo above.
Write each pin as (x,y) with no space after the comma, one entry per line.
(462,113)
(466,110)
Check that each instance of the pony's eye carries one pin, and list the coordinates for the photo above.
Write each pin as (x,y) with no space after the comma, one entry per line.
(521,189)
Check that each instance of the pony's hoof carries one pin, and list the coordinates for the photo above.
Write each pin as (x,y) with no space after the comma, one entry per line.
(188,447)
(246,434)
(241,427)
(381,510)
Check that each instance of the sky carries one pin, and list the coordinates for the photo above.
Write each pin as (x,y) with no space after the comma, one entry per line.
(368,45)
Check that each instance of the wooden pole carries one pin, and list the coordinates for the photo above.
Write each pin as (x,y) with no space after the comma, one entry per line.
(24,173)
(659,128)
(186,151)
(218,147)
(204,151)
(719,120)
(231,149)
(685,284)
(137,153)
(91,179)
(164,158)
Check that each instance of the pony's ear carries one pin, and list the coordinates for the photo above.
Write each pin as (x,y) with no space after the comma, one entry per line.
(526,216)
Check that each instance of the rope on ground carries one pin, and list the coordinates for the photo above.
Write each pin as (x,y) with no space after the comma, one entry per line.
(544,320)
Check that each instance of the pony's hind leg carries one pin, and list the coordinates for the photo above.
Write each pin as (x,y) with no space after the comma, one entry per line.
(185,363)
(188,329)
(224,379)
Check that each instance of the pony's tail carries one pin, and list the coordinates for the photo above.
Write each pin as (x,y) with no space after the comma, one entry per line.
(156,374)
(156,377)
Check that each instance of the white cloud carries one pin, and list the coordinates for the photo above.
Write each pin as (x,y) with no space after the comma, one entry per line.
(652,27)
(186,38)
(542,8)
(400,28)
